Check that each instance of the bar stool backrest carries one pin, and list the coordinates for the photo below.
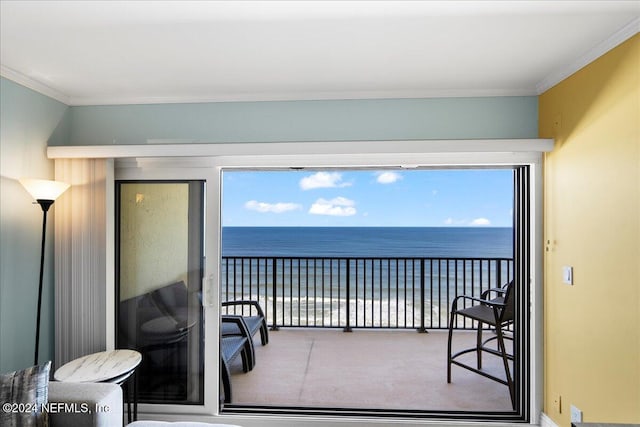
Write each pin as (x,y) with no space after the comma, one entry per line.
(509,301)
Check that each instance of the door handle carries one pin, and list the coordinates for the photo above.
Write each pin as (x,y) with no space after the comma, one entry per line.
(207,287)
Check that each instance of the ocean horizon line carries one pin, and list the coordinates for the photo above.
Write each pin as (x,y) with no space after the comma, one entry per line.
(480,227)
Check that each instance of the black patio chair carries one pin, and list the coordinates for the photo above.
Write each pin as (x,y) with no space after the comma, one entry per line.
(253,316)
(498,313)
(230,348)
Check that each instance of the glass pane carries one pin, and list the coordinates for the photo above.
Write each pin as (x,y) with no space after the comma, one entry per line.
(160,270)
(387,251)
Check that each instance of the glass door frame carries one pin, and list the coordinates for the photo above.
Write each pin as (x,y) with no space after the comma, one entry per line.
(168,170)
(531,405)
(143,162)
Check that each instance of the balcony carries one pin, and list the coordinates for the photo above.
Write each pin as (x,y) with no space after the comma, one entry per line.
(383,364)
(366,369)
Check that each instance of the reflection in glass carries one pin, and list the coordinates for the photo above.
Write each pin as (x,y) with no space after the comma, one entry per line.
(159,274)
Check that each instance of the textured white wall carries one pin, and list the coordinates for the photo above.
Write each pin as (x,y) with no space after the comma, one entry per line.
(154,236)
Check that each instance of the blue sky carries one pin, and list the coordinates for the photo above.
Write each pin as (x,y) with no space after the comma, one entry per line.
(368,198)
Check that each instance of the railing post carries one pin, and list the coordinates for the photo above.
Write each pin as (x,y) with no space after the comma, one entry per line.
(347,328)
(422,329)
(274,275)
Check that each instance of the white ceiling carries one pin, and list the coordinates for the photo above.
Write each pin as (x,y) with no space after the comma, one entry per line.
(111,52)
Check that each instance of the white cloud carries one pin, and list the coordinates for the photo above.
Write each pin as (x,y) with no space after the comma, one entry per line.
(340,206)
(323,180)
(464,222)
(263,207)
(481,221)
(388,177)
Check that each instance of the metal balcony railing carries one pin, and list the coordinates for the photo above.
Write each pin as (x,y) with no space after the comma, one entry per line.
(353,292)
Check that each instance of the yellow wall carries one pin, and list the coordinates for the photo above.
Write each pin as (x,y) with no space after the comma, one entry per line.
(592,222)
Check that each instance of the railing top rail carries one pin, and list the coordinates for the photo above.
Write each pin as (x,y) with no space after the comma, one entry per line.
(359,258)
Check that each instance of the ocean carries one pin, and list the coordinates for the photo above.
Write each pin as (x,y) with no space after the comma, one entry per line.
(427,242)
(306,276)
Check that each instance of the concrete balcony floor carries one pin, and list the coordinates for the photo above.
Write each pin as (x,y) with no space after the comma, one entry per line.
(367,369)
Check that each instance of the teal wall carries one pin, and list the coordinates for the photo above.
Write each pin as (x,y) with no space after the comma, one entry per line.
(435,118)
(28,121)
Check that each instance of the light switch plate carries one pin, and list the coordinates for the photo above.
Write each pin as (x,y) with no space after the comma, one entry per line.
(567,275)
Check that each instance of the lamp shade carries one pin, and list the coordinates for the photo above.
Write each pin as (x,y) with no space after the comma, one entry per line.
(44,189)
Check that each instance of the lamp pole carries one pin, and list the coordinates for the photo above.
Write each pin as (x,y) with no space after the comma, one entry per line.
(45,192)
(45,205)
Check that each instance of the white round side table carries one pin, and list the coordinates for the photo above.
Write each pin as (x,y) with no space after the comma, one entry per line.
(115,366)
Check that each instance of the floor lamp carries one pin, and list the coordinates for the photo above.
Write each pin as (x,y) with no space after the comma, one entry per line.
(45,192)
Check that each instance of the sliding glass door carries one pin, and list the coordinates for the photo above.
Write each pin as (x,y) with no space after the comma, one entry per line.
(388,251)
(174,267)
(160,266)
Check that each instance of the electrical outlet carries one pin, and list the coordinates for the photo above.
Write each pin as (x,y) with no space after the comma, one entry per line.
(576,415)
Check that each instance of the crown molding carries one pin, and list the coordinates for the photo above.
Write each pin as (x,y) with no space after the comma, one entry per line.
(32,84)
(258,97)
(620,36)
(304,96)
